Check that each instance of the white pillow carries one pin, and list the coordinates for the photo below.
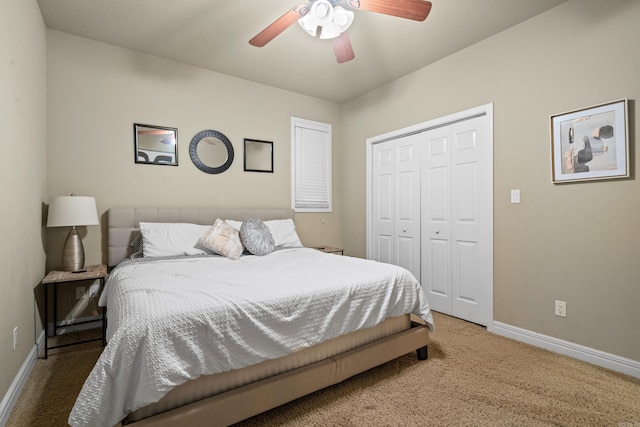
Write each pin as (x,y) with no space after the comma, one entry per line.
(169,239)
(284,233)
(223,239)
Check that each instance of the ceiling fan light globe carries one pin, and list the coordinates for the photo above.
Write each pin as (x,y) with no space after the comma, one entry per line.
(329,31)
(309,24)
(342,18)
(322,12)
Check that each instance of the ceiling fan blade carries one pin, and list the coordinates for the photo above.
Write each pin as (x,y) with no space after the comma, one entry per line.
(279,25)
(342,48)
(418,10)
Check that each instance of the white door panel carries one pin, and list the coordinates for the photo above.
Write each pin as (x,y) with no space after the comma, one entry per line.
(467,162)
(453,192)
(385,248)
(408,203)
(383,203)
(396,206)
(384,211)
(466,272)
(406,254)
(435,275)
(436,208)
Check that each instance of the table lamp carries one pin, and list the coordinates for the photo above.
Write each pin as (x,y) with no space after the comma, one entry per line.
(71,211)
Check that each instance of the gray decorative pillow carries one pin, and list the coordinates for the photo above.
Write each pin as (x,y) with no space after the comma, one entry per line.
(138,254)
(256,237)
(136,243)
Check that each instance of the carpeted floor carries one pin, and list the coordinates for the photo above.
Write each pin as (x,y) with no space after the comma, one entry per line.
(472,378)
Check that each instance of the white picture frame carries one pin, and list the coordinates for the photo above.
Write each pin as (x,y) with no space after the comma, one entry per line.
(590,143)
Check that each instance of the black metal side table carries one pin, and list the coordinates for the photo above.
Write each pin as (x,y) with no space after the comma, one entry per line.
(55,278)
(329,250)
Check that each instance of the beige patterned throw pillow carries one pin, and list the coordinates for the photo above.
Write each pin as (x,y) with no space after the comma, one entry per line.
(223,239)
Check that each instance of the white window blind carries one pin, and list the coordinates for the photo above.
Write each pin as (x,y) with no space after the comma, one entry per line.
(310,166)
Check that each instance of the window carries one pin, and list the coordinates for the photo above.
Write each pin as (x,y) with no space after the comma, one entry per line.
(310,166)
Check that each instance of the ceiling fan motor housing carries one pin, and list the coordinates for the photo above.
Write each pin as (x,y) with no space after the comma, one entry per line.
(333,20)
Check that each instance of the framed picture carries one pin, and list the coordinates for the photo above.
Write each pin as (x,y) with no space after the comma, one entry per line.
(590,143)
(258,156)
(155,145)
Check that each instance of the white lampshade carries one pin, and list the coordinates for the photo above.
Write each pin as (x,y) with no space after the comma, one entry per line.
(68,211)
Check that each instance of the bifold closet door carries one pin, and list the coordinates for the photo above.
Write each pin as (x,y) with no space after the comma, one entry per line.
(454,243)
(396,202)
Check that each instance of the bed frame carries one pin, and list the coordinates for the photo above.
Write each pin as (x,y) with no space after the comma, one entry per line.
(251,399)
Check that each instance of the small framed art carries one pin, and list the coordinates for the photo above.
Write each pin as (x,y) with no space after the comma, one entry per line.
(155,145)
(258,156)
(590,143)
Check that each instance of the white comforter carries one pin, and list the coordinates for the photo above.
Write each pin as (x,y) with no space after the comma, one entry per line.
(174,320)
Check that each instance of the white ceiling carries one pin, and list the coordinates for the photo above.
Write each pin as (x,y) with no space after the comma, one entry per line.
(214,34)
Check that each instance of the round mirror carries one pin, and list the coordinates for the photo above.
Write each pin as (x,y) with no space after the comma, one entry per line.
(211,151)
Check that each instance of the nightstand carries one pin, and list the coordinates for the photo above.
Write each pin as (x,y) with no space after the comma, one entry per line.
(329,250)
(55,278)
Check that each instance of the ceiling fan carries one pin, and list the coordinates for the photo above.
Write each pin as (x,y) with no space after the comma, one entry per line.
(334,20)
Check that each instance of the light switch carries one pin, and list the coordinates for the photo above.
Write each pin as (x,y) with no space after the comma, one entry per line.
(515,196)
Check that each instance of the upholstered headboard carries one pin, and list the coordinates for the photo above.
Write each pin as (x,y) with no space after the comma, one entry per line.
(124,223)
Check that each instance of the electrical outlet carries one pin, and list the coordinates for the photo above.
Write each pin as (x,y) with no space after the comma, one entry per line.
(561,308)
(15,338)
(80,292)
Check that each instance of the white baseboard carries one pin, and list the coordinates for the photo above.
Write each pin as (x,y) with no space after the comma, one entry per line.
(577,351)
(10,398)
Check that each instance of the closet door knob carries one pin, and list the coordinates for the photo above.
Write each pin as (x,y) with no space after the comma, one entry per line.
(404,230)
(437,231)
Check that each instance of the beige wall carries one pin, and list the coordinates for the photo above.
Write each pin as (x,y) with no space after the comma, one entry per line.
(22,178)
(97,92)
(578,54)
(573,242)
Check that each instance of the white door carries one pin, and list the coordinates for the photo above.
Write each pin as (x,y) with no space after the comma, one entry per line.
(384,202)
(456,239)
(396,203)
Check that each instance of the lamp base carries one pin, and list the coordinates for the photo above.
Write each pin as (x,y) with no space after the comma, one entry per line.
(73,253)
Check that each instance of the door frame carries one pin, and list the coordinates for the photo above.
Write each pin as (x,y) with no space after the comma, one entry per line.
(483,110)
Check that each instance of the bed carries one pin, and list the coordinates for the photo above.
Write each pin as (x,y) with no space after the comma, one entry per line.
(162,366)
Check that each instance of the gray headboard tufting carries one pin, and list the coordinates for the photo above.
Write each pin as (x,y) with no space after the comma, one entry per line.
(124,223)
